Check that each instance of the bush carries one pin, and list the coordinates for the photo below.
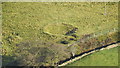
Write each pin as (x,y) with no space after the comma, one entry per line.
(64,42)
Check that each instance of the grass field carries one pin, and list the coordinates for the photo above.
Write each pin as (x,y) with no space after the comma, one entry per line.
(52,26)
(100,58)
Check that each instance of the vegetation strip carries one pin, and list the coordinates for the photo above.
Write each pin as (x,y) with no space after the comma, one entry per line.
(112,45)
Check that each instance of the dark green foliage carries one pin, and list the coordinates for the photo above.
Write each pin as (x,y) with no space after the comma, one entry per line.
(72,39)
(64,42)
(74,35)
(72,31)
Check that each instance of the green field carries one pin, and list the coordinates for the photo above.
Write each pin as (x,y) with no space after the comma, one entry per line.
(44,29)
(100,58)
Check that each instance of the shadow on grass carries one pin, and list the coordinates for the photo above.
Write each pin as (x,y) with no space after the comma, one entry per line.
(9,61)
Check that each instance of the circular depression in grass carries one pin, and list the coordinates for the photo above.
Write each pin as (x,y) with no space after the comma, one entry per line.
(58,28)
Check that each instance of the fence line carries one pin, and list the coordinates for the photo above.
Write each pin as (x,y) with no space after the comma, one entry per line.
(90,52)
(96,34)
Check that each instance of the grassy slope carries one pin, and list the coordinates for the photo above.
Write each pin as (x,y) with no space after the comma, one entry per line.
(27,21)
(23,21)
(100,58)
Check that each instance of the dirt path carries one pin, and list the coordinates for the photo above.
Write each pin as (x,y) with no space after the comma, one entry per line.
(79,57)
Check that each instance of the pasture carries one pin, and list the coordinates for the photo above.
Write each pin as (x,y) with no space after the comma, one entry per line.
(52,26)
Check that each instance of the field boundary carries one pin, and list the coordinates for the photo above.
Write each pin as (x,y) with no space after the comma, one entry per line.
(109,46)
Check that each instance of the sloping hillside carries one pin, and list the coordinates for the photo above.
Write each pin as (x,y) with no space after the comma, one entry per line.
(44,33)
